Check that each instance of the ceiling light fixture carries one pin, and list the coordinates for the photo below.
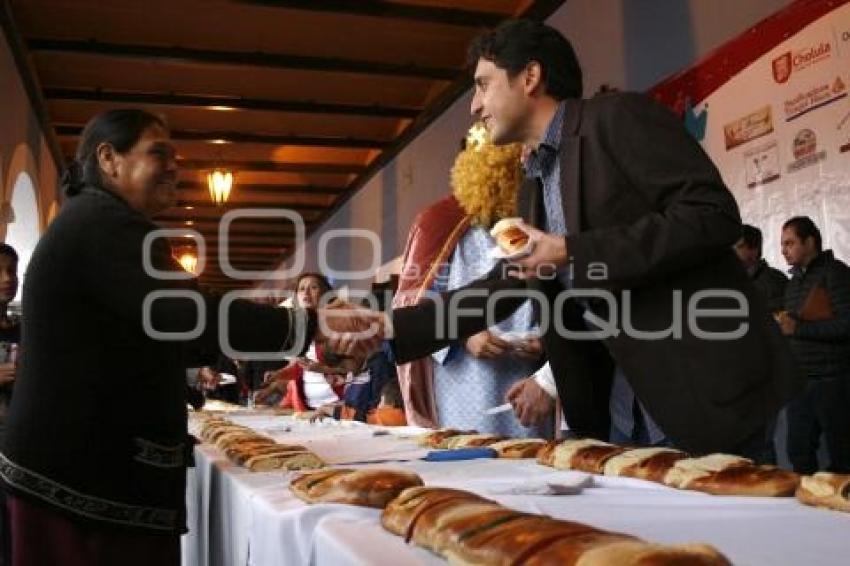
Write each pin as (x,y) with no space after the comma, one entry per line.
(220,182)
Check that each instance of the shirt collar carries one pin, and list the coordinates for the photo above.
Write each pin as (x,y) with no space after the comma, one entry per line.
(549,145)
(552,137)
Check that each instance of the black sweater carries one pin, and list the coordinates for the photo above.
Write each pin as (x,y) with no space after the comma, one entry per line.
(97,426)
(822,348)
(771,284)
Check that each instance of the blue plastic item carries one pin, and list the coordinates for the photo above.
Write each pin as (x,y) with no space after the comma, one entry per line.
(460,454)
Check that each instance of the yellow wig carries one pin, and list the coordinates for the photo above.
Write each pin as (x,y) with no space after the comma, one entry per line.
(485,179)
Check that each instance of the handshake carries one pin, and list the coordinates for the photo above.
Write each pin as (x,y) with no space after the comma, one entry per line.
(350,332)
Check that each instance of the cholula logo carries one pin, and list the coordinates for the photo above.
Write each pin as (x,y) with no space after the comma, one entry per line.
(794,62)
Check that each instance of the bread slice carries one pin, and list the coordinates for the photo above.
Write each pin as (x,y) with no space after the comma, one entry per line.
(470,440)
(586,455)
(827,490)
(518,447)
(435,438)
(367,487)
(687,470)
(284,461)
(643,463)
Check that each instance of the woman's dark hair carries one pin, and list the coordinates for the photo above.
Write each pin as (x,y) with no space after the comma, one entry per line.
(9,251)
(323,281)
(805,228)
(120,128)
(516,43)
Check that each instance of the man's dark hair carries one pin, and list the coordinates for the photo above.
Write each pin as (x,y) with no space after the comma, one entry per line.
(516,43)
(752,237)
(805,228)
(8,251)
(121,128)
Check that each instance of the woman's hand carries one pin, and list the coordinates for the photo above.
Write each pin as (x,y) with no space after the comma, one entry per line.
(325,411)
(274,386)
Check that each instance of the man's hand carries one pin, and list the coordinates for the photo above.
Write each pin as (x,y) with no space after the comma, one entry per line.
(352,331)
(486,345)
(530,402)
(548,253)
(7,373)
(787,323)
(529,349)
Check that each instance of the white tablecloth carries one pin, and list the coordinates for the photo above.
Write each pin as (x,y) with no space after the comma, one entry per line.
(239,518)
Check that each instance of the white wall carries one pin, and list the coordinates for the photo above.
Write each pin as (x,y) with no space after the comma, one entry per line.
(629,44)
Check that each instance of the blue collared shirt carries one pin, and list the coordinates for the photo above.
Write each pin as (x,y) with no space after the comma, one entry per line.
(544,164)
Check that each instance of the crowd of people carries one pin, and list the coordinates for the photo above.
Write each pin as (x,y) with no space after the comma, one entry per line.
(624,211)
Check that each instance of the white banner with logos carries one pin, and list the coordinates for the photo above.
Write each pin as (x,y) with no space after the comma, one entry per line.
(779,132)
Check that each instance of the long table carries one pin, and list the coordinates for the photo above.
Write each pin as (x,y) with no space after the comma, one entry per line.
(237,517)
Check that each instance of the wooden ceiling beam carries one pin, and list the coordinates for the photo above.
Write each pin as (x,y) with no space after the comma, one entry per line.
(220,136)
(235,205)
(271,189)
(228,102)
(239,58)
(274,166)
(391,10)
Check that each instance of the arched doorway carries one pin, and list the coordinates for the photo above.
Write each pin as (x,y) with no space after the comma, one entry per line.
(23,232)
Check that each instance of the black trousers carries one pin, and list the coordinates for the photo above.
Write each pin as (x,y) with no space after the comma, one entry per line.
(822,408)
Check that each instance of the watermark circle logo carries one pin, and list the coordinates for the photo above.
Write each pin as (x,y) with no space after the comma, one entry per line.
(181,274)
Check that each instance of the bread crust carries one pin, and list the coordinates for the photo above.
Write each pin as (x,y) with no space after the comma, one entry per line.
(366,487)
(518,447)
(826,490)
(467,529)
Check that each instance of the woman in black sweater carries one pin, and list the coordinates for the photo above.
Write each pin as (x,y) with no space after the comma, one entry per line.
(96,449)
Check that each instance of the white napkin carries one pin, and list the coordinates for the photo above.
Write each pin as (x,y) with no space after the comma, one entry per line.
(566,483)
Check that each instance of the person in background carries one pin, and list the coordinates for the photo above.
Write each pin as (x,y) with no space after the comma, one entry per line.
(10,337)
(10,328)
(816,321)
(770,282)
(302,383)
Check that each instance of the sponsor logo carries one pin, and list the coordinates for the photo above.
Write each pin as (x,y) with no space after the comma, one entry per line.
(799,60)
(782,68)
(844,121)
(814,98)
(750,127)
(805,150)
(762,164)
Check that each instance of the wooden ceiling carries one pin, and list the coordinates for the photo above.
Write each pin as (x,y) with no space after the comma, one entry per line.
(303,99)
